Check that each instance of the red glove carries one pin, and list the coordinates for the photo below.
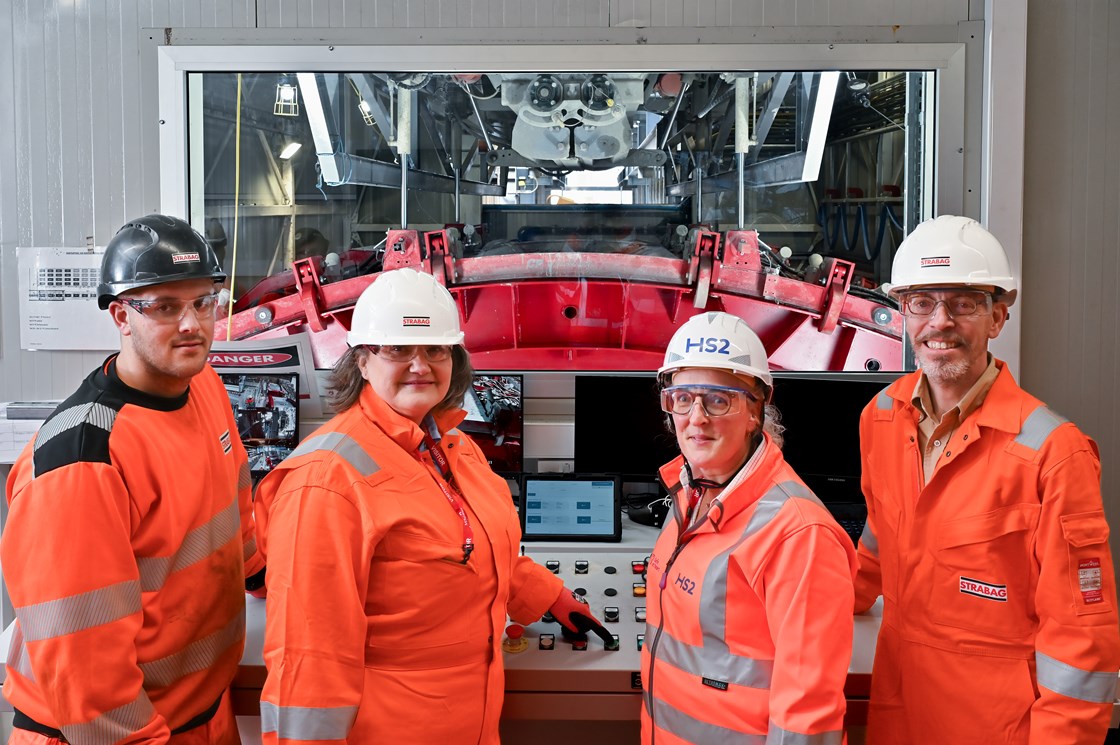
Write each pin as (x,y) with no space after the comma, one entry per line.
(572,612)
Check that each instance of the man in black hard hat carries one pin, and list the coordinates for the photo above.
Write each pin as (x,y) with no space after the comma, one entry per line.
(130,532)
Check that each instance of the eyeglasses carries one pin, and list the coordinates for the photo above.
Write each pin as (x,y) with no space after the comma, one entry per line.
(965,304)
(715,400)
(170,310)
(408,352)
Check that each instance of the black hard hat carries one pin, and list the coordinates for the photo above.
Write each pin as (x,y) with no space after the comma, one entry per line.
(151,251)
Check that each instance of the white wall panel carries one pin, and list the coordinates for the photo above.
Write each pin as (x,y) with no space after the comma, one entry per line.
(1071,230)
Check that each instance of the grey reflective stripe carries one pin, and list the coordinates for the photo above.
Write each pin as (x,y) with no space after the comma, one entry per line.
(79,612)
(198,655)
(779,736)
(690,729)
(714,659)
(17,654)
(1038,427)
(718,664)
(1097,687)
(250,549)
(868,539)
(98,415)
(883,401)
(344,447)
(244,478)
(198,545)
(307,723)
(112,726)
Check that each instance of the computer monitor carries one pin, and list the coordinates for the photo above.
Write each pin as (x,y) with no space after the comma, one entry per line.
(570,507)
(495,420)
(821,413)
(266,407)
(620,428)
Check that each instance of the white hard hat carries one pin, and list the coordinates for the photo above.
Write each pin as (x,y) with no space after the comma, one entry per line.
(719,341)
(404,306)
(952,250)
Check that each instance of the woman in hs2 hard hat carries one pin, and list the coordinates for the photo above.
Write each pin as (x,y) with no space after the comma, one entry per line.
(394,546)
(748,630)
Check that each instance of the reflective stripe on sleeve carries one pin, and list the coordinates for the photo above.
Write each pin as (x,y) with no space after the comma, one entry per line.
(779,736)
(1038,427)
(198,655)
(112,726)
(96,414)
(883,400)
(306,722)
(344,447)
(199,544)
(868,539)
(1097,687)
(17,654)
(719,664)
(79,612)
(250,548)
(688,728)
(244,477)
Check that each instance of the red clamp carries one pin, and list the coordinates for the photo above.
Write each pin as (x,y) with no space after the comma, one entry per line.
(402,248)
(838,278)
(441,251)
(310,292)
(703,266)
(740,250)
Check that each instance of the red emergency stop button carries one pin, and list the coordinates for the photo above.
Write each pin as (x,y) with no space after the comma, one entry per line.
(515,640)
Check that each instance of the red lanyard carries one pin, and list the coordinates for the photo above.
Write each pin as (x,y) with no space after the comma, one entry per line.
(446,485)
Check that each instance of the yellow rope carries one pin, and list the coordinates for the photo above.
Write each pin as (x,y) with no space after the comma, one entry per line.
(236,204)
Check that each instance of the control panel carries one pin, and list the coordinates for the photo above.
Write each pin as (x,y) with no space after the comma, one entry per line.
(543,657)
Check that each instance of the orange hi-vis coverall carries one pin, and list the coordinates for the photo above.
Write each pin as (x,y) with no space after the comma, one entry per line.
(376,630)
(999,603)
(748,628)
(128,540)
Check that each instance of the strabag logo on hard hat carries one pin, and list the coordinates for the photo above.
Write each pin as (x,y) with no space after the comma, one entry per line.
(416,321)
(936,261)
(184,258)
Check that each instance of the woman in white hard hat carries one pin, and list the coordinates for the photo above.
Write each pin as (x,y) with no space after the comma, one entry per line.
(393,546)
(749,624)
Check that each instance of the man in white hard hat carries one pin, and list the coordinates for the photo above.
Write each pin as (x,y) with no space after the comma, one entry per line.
(986,534)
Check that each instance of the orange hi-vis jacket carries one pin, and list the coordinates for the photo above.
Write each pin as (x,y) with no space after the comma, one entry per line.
(999,599)
(128,539)
(376,630)
(748,631)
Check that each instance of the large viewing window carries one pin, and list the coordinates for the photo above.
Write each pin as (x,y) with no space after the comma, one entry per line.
(824,163)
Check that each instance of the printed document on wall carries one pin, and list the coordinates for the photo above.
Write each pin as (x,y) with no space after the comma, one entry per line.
(58,300)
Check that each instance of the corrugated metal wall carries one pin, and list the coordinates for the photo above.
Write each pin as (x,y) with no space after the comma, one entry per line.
(1071,247)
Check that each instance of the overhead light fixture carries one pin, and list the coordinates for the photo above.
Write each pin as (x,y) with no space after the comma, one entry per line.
(289,150)
(287,97)
(367,114)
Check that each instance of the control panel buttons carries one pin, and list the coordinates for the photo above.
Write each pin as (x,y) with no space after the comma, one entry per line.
(548,617)
(610,614)
(581,591)
(640,614)
(547,642)
(641,641)
(582,566)
(639,589)
(614,646)
(515,640)
(610,592)
(553,566)
(579,645)
(637,567)
(609,570)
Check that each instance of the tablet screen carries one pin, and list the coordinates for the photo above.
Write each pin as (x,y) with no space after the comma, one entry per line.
(570,508)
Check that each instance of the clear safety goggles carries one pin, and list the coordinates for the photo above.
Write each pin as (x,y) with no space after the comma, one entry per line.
(171,310)
(715,400)
(408,352)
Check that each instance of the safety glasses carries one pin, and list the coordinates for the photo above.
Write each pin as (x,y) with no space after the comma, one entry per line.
(715,400)
(958,305)
(171,310)
(408,352)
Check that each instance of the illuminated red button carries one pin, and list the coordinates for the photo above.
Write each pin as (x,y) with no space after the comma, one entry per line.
(637,567)
(580,645)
